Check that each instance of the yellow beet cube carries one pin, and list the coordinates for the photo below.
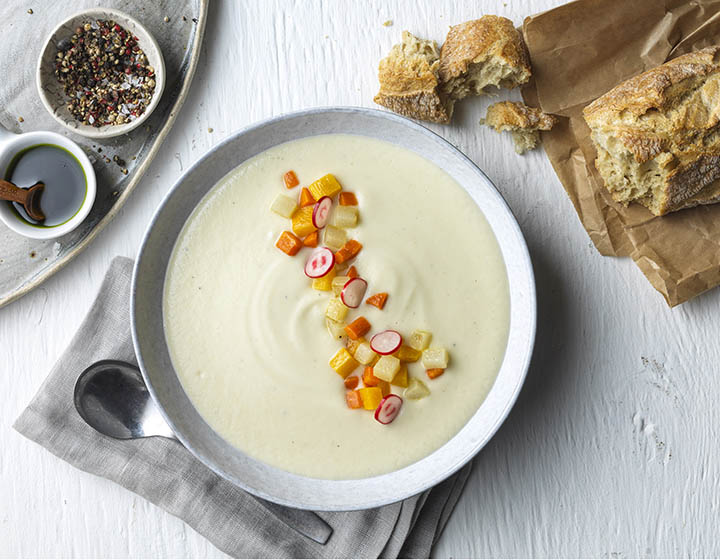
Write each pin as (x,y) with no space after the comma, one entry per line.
(408,354)
(401,377)
(302,224)
(284,205)
(386,368)
(420,340)
(364,354)
(346,216)
(338,283)
(336,310)
(325,186)
(343,363)
(371,397)
(416,390)
(435,358)
(324,283)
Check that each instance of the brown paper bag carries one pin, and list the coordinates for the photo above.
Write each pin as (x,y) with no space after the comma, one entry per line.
(581,50)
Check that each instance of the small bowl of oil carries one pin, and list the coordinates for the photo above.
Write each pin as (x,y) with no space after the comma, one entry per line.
(68,175)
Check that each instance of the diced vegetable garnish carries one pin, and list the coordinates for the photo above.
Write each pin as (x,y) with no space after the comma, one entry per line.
(336,329)
(352,345)
(348,251)
(319,263)
(388,409)
(384,387)
(291,179)
(420,340)
(346,216)
(353,399)
(324,283)
(364,354)
(416,390)
(285,206)
(371,397)
(434,372)
(325,186)
(289,243)
(351,381)
(408,354)
(401,377)
(378,300)
(343,363)
(336,310)
(353,292)
(306,199)
(348,199)
(334,237)
(386,368)
(338,284)
(386,342)
(321,212)
(435,358)
(358,328)
(368,377)
(302,221)
(352,272)
(311,240)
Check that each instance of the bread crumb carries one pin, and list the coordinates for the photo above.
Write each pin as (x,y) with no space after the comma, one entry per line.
(522,122)
(30,11)
(388,23)
(20,119)
(210,129)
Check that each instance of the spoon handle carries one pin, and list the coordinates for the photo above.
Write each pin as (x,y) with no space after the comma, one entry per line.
(10,192)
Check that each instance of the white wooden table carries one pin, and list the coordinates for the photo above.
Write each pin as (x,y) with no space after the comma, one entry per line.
(612,447)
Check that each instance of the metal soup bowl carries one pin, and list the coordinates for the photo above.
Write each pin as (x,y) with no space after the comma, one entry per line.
(255,476)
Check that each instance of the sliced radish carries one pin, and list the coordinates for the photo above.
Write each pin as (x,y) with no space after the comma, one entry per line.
(388,409)
(321,212)
(353,292)
(319,263)
(386,342)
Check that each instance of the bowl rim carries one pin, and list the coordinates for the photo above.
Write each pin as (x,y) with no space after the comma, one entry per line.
(106,131)
(14,222)
(304,492)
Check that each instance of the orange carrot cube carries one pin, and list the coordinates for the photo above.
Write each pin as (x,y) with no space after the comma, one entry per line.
(378,300)
(352,382)
(368,377)
(348,199)
(434,372)
(291,180)
(306,199)
(348,251)
(353,399)
(358,328)
(289,243)
(352,272)
(311,240)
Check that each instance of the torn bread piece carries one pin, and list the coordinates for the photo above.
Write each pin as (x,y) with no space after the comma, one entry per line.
(658,134)
(409,81)
(484,52)
(524,123)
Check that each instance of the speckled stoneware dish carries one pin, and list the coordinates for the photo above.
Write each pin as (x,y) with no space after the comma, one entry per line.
(51,91)
(259,478)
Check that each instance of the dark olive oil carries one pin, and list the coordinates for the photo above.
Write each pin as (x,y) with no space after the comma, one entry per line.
(64,178)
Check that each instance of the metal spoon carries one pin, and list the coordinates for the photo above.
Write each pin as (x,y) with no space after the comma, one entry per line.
(111,396)
(29,198)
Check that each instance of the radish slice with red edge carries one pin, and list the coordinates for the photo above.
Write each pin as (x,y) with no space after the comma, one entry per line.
(388,409)
(319,263)
(321,212)
(353,292)
(386,342)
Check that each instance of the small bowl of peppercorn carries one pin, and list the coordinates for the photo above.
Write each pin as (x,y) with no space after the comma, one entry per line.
(101,73)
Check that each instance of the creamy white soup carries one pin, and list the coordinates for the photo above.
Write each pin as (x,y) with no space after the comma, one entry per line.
(247,332)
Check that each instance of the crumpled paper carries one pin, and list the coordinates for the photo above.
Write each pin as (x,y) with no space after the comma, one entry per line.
(581,50)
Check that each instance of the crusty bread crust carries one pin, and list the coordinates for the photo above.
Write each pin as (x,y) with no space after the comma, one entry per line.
(409,81)
(658,134)
(523,122)
(490,43)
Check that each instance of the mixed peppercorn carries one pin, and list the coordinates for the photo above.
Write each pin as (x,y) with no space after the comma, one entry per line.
(105,74)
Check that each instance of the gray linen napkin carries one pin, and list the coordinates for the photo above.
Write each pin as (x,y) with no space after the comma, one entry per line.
(167,474)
